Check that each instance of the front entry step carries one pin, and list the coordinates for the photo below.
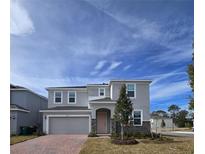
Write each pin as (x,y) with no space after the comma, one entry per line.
(103,134)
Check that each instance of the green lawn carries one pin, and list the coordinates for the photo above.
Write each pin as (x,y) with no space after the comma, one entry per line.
(178,145)
(21,138)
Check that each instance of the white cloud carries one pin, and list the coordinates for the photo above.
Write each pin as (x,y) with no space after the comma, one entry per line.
(100,64)
(165,91)
(126,67)
(21,23)
(159,77)
(38,84)
(165,76)
(173,56)
(113,66)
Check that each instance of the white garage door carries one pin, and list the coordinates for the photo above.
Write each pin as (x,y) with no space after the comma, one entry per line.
(68,125)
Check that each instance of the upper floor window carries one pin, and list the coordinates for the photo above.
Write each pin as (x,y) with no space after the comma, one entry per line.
(57,97)
(130,90)
(71,97)
(137,117)
(101,91)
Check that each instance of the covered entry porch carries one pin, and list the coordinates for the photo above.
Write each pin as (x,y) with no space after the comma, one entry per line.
(103,121)
(102,116)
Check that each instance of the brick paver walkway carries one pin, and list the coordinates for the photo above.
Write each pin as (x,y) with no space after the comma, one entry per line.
(50,144)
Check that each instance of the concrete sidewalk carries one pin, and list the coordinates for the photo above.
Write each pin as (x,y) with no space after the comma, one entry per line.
(179,133)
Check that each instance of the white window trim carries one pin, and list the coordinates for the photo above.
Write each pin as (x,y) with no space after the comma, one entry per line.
(99,92)
(54,97)
(50,116)
(75,97)
(141,117)
(134,90)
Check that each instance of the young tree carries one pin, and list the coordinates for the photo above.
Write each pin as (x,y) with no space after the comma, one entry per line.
(181,118)
(173,109)
(190,72)
(123,109)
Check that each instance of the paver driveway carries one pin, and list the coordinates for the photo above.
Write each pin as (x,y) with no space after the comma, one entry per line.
(50,144)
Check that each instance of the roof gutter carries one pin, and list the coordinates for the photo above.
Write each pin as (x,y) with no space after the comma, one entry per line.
(45,111)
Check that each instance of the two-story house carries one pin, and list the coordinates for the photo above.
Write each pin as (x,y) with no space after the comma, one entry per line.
(82,109)
(24,108)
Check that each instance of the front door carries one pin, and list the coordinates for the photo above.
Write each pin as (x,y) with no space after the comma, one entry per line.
(101,122)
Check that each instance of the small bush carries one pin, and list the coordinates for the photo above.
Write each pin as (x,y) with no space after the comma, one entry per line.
(163,138)
(125,142)
(92,134)
(141,135)
(156,135)
(115,135)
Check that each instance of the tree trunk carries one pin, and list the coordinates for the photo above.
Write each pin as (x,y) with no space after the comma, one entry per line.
(156,125)
(122,132)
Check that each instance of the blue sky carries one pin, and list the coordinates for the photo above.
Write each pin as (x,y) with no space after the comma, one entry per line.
(75,42)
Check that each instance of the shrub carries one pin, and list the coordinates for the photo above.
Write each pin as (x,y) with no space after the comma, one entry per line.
(92,134)
(114,135)
(163,138)
(141,135)
(125,142)
(156,135)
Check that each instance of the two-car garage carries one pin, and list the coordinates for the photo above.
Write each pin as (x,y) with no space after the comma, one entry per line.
(67,120)
(68,124)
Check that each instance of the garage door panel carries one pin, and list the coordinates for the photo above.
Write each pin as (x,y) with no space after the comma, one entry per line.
(68,125)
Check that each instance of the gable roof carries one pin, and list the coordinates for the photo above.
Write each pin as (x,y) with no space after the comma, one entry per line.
(69,87)
(106,99)
(18,108)
(16,88)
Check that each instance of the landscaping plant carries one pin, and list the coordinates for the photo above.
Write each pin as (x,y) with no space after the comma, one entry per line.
(123,109)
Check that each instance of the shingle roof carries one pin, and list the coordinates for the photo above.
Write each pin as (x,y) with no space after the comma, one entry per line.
(15,106)
(99,84)
(68,108)
(16,87)
(70,87)
(106,99)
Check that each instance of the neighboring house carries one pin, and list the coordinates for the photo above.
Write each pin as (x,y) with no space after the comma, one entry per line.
(85,109)
(156,123)
(24,108)
(156,120)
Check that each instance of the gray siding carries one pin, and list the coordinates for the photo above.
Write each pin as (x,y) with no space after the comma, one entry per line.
(142,100)
(32,102)
(23,119)
(93,91)
(13,122)
(81,98)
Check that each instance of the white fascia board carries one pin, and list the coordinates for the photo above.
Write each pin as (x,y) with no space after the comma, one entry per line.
(138,81)
(22,110)
(98,102)
(97,85)
(65,111)
(67,89)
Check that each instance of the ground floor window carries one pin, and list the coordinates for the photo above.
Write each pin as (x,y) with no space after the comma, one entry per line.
(137,117)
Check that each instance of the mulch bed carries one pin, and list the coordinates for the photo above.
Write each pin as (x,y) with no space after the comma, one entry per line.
(125,142)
